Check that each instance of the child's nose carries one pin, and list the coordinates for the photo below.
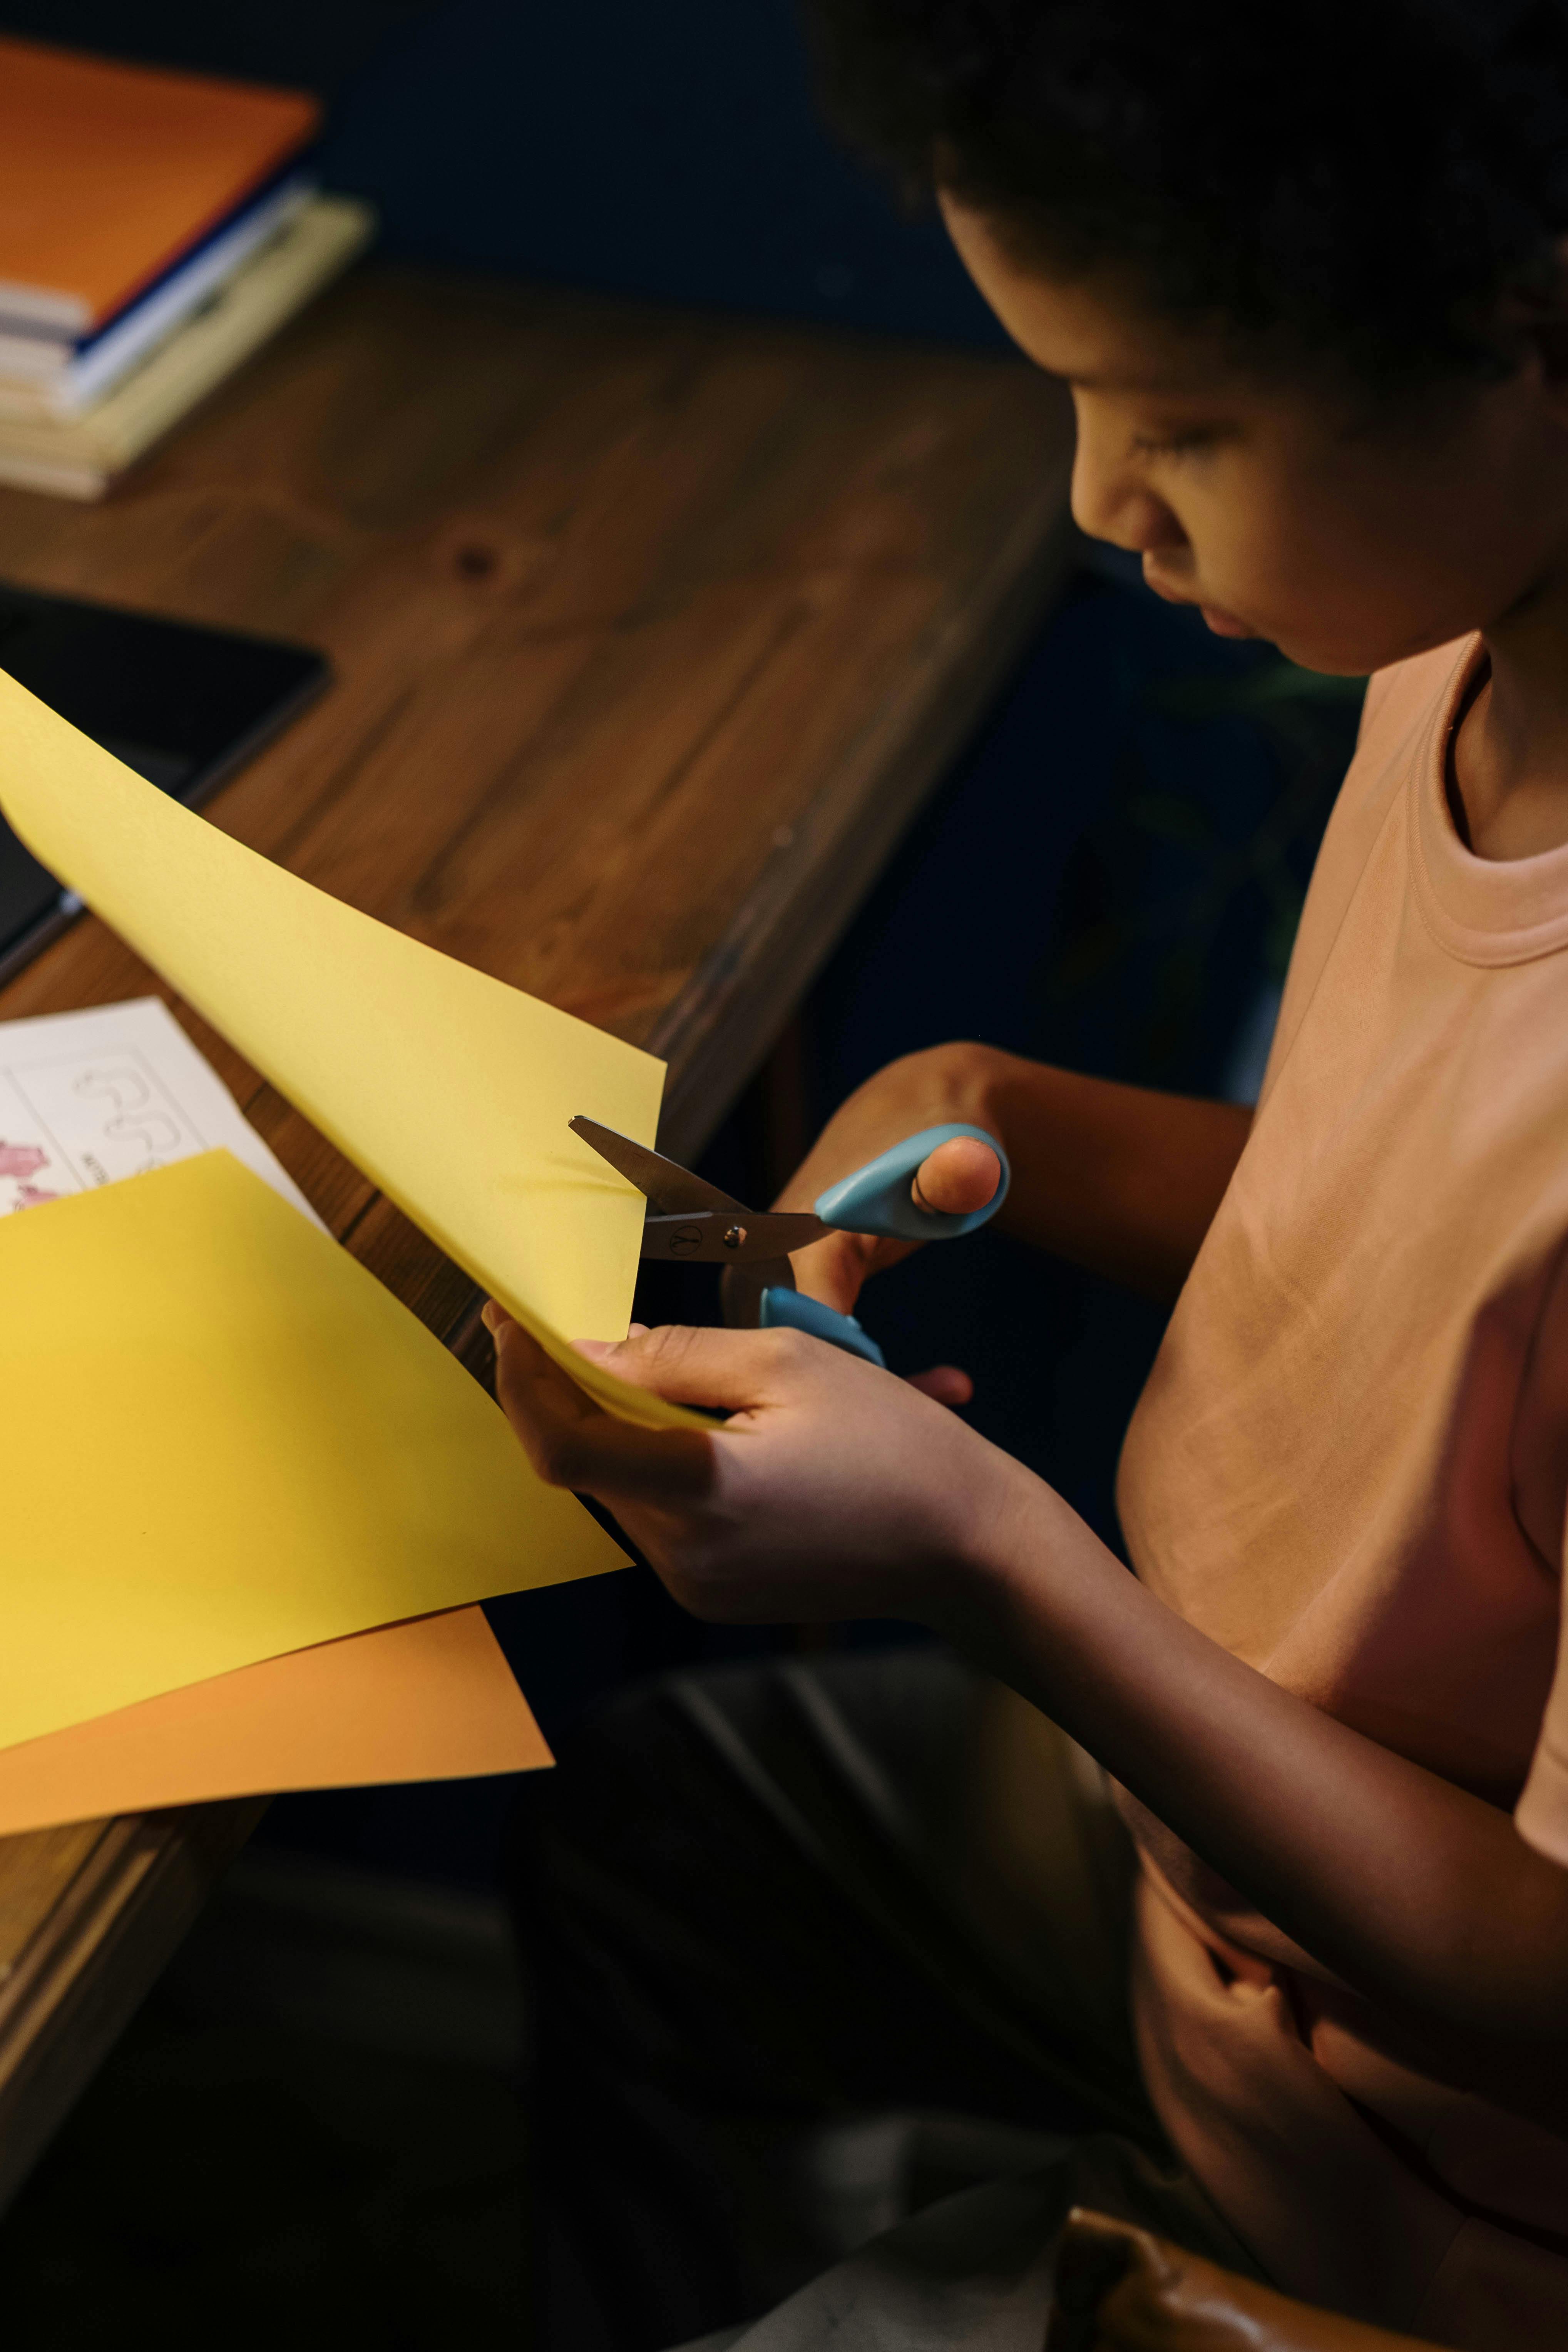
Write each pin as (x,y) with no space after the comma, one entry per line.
(1110,502)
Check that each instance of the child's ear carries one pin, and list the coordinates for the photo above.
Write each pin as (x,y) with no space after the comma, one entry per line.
(1536,326)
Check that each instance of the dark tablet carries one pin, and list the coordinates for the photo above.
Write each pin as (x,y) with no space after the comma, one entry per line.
(183,706)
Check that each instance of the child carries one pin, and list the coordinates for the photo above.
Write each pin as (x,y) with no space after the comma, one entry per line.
(1305,271)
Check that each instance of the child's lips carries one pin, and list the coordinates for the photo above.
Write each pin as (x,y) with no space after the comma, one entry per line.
(1223,624)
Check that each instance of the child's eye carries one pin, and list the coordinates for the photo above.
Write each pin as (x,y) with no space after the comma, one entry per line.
(1175,444)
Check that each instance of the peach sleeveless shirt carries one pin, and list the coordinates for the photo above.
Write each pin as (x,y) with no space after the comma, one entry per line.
(1349,1466)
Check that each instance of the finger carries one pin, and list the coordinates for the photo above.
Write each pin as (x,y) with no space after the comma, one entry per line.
(572,1441)
(945,1382)
(535,1394)
(833,1269)
(733,1371)
(957,1178)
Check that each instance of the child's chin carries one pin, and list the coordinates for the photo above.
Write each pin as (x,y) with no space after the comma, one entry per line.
(1334,661)
(1225,625)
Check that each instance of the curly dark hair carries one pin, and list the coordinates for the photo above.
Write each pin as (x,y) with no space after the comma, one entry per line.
(1362,180)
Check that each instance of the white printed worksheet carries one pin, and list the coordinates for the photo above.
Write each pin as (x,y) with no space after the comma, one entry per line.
(88,1097)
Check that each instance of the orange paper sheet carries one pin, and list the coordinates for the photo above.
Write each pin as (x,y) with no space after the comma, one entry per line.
(430,1699)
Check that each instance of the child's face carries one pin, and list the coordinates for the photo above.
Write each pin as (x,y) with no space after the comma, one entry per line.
(1273,507)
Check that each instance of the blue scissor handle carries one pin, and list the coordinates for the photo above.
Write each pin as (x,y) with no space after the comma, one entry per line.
(876,1199)
(798,1313)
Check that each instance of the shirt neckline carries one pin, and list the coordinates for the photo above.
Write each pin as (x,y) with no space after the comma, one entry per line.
(1484,910)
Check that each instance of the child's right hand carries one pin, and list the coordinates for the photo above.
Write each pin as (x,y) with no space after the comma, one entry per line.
(956,1178)
(930,1090)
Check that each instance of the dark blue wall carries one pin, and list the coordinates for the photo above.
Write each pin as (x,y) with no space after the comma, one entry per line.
(667,151)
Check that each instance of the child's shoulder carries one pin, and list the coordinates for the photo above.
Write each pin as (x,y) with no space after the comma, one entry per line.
(1405,709)
(1403,697)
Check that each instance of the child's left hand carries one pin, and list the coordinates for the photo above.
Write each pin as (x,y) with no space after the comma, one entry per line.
(833,1490)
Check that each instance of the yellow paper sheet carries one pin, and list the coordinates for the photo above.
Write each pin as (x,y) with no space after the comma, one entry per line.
(224,1439)
(449,1090)
(433,1699)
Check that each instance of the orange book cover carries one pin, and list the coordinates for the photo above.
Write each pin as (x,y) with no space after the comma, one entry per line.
(109,172)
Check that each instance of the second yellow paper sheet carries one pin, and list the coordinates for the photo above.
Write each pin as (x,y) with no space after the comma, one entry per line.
(224,1440)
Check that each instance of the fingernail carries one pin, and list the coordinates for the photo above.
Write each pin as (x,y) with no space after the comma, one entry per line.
(595,1349)
(489,1315)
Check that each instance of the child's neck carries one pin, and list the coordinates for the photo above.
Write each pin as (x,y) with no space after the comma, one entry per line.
(1508,762)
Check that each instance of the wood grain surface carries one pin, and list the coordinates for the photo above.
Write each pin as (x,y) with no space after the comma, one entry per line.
(650,634)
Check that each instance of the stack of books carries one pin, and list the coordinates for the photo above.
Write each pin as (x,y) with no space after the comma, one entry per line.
(155,227)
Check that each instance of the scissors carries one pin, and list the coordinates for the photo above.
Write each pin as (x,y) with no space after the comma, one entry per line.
(690,1219)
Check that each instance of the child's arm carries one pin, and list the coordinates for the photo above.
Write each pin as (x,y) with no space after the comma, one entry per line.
(1116,1178)
(834,1491)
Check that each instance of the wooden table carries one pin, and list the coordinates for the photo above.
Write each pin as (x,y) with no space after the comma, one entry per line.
(651,632)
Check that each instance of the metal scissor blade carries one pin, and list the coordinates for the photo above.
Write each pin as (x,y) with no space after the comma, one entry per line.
(670,1190)
(718,1237)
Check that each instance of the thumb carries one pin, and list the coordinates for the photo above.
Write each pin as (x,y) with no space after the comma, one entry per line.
(959,1177)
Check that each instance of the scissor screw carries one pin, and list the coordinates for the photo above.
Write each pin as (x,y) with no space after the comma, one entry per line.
(734,1236)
